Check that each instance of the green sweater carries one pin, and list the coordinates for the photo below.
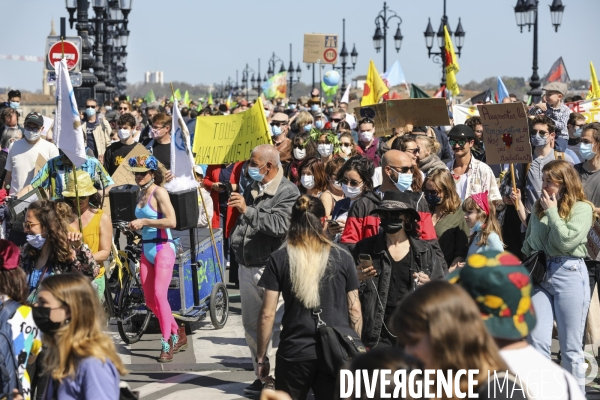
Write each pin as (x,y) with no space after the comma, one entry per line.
(453,235)
(559,237)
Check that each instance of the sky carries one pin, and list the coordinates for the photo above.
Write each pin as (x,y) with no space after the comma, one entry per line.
(202,41)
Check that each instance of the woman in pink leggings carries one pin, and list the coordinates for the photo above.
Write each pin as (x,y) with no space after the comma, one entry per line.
(155,216)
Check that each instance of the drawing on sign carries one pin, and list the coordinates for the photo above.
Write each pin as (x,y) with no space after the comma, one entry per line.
(331,41)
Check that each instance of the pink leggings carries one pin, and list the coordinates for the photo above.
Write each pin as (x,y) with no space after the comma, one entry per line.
(155,282)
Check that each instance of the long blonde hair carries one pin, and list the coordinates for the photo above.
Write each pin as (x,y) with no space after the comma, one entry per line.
(308,250)
(489,221)
(82,336)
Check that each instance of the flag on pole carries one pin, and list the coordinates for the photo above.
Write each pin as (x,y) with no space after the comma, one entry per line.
(150,97)
(346,96)
(594,92)
(186,99)
(276,86)
(394,76)
(228,101)
(482,98)
(441,92)
(501,92)
(68,133)
(417,93)
(210,100)
(182,160)
(558,72)
(451,64)
(374,87)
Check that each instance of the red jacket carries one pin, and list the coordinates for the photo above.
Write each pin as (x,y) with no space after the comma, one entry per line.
(212,176)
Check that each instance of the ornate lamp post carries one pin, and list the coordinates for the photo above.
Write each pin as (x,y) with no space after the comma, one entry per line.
(382,20)
(293,75)
(344,58)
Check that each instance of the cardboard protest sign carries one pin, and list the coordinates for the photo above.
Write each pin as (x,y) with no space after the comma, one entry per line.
(39,164)
(417,112)
(589,108)
(378,113)
(462,112)
(505,133)
(320,48)
(225,139)
(593,243)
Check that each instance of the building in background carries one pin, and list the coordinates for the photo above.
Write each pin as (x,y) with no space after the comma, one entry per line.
(47,89)
(153,77)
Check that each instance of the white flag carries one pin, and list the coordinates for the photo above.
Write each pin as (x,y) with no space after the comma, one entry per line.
(346,96)
(461,113)
(182,159)
(68,133)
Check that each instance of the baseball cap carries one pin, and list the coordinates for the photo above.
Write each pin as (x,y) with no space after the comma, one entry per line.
(460,131)
(34,118)
(557,87)
(500,286)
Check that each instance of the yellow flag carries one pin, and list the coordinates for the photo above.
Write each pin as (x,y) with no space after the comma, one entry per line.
(451,65)
(375,87)
(594,91)
(210,99)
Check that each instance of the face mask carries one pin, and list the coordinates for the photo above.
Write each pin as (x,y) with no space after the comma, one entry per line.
(314,107)
(404,181)
(307,128)
(538,141)
(433,200)
(330,110)
(334,125)
(276,130)
(585,149)
(267,113)
(346,150)
(308,181)
(319,124)
(325,149)
(299,154)
(292,106)
(124,133)
(365,136)
(336,185)
(107,108)
(351,192)
(578,132)
(31,135)
(477,227)
(391,225)
(90,112)
(36,241)
(255,174)
(14,104)
(41,317)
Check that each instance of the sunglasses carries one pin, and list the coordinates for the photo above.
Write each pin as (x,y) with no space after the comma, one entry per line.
(277,123)
(346,144)
(336,119)
(123,108)
(390,215)
(402,170)
(460,142)
(89,106)
(541,133)
(350,182)
(413,151)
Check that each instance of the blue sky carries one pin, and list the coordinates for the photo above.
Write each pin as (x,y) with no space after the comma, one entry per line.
(201,41)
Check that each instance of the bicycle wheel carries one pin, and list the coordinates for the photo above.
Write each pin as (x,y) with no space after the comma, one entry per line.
(132,316)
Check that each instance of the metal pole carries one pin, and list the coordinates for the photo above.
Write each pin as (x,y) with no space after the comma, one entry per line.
(535,92)
(313,71)
(443,49)
(384,36)
(291,73)
(343,61)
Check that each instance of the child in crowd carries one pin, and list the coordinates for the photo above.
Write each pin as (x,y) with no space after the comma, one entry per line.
(480,215)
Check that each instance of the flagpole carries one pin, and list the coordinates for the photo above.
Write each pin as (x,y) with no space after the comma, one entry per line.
(514,183)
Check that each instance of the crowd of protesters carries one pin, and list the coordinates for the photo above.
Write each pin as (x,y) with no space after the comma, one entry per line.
(411,242)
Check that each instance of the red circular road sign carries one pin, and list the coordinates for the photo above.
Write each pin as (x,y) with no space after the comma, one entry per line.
(330,55)
(71,54)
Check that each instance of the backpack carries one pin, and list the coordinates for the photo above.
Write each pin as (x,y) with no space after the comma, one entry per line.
(9,374)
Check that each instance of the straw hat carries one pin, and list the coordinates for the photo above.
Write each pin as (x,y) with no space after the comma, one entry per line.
(142,163)
(85,185)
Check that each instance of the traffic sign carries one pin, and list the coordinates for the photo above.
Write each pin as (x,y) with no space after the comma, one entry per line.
(72,48)
(320,48)
(76,78)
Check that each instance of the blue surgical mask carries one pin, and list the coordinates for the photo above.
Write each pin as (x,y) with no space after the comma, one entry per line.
(585,149)
(90,112)
(307,128)
(578,132)
(292,106)
(319,124)
(404,181)
(255,174)
(36,241)
(276,130)
(107,108)
(314,107)
(14,104)
(477,227)
(538,141)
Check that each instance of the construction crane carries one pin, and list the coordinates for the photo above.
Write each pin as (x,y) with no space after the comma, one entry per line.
(22,58)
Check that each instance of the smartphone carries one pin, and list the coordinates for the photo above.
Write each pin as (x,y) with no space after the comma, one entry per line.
(333,223)
(228,188)
(365,258)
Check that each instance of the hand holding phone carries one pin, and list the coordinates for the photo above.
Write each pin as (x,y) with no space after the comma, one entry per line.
(365,269)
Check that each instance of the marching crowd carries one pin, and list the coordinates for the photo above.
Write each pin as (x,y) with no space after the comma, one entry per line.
(411,248)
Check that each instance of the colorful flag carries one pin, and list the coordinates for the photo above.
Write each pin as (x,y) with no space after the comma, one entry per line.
(150,97)
(346,96)
(276,86)
(374,87)
(394,76)
(451,65)
(417,93)
(502,92)
(329,92)
(228,101)
(558,72)
(441,92)
(68,134)
(182,160)
(210,100)
(594,92)
(461,113)
(483,97)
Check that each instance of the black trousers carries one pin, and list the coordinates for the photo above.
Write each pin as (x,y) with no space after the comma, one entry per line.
(296,378)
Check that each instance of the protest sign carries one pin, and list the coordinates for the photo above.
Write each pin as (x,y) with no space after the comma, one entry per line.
(224,139)
(593,243)
(589,108)
(320,48)
(505,133)
(417,112)
(378,113)
(461,113)
(39,164)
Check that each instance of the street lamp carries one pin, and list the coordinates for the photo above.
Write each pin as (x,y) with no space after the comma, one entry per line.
(273,62)
(293,75)
(380,36)
(526,14)
(344,58)
(246,78)
(440,57)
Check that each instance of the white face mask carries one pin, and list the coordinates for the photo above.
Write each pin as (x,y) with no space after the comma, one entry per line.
(124,133)
(365,136)
(308,181)
(351,192)
(32,136)
(299,154)
(325,149)
(346,149)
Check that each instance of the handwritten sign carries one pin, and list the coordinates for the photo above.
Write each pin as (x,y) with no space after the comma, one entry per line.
(505,133)
(378,113)
(593,243)
(320,48)
(224,139)
(589,108)
(417,112)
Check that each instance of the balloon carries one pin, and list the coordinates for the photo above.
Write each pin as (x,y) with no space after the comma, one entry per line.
(331,78)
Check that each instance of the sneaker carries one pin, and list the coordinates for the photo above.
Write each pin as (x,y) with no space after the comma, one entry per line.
(166,353)
(269,383)
(255,388)
(179,341)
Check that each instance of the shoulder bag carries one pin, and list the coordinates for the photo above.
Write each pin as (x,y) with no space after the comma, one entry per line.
(536,265)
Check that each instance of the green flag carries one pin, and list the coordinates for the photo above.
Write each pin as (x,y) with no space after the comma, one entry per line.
(417,93)
(186,98)
(150,97)
(210,100)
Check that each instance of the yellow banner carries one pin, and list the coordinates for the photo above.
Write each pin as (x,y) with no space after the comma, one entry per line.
(224,139)
(451,65)
(374,88)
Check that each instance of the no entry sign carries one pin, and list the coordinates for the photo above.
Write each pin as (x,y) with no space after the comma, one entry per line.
(72,48)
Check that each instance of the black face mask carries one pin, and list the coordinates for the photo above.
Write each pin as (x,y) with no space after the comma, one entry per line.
(391,225)
(41,317)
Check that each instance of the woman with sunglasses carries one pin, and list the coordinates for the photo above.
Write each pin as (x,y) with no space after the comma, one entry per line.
(302,149)
(348,146)
(124,107)
(156,217)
